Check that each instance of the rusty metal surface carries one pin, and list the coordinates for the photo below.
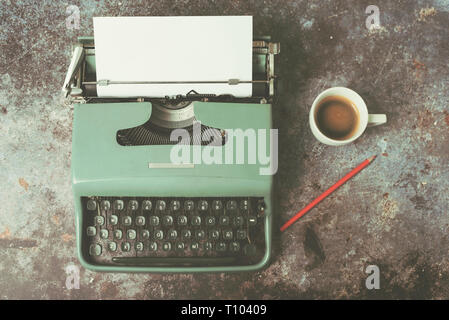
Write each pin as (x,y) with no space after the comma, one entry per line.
(394,214)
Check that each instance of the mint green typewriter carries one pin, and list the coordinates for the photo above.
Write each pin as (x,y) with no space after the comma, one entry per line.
(136,210)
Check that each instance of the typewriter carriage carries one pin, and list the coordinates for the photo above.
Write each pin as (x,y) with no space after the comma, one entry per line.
(80,83)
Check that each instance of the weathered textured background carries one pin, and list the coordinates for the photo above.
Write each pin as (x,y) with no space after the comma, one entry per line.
(394,214)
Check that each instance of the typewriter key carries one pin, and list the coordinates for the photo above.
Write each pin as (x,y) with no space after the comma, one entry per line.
(139,246)
(113,220)
(99,220)
(127,220)
(189,205)
(91,231)
(95,250)
(166,246)
(126,246)
(133,205)
(118,234)
(234,246)
(112,246)
(118,205)
(104,233)
(147,205)
(160,205)
(203,206)
(154,221)
(186,234)
(153,246)
(145,234)
(140,220)
(105,205)
(182,220)
(131,234)
(217,205)
(91,205)
(175,205)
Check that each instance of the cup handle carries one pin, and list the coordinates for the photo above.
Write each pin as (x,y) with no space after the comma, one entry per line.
(376,119)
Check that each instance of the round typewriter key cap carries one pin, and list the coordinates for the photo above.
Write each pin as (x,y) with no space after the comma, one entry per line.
(127,220)
(160,205)
(231,205)
(105,205)
(172,234)
(214,234)
(261,207)
(175,205)
(217,205)
(186,234)
(145,234)
(91,231)
(126,246)
(95,250)
(244,205)
(119,205)
(154,221)
(140,220)
(228,235)
(234,246)
(147,205)
(91,204)
(166,246)
(241,234)
(133,205)
(239,221)
(182,220)
(113,220)
(104,233)
(208,246)
(139,246)
(189,205)
(167,220)
(131,234)
(180,246)
(252,221)
(118,234)
(196,220)
(221,246)
(224,220)
(99,220)
(210,221)
(203,206)
(153,246)
(112,246)
(194,246)
(200,234)
(159,234)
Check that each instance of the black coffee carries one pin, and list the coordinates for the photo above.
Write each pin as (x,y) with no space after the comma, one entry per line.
(337,117)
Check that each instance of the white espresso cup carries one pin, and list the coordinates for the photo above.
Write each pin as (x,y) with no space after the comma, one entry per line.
(364,119)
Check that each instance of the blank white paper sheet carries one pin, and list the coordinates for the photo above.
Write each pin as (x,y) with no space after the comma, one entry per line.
(191,48)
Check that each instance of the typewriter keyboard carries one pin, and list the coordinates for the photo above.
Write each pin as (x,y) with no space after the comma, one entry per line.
(146,231)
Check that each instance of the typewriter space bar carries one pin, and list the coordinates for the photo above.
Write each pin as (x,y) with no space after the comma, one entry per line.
(175,261)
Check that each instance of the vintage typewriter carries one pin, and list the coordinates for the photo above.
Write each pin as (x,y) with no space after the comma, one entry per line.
(137,212)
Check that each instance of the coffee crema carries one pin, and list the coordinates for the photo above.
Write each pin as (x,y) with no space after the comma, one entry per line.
(337,117)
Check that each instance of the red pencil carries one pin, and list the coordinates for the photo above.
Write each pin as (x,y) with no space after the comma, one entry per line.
(359,168)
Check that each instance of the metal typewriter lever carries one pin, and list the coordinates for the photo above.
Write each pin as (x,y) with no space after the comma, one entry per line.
(175,261)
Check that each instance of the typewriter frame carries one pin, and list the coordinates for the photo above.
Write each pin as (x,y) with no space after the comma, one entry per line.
(81,91)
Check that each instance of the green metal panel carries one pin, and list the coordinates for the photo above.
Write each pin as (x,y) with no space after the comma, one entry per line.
(100,166)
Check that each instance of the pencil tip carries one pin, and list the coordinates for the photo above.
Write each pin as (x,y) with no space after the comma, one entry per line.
(372,158)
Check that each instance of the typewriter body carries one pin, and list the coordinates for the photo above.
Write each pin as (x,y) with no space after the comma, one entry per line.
(138,212)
